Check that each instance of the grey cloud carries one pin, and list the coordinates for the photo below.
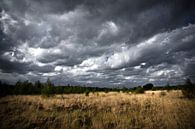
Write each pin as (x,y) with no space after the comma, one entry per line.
(189,70)
(12,67)
(97,42)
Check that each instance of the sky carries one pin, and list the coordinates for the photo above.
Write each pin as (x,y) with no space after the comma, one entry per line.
(104,43)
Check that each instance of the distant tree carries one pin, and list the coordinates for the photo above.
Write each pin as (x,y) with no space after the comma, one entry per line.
(17,89)
(38,84)
(59,90)
(148,86)
(188,89)
(188,82)
(38,87)
(49,83)
(167,87)
(48,89)
(125,89)
(2,89)
(18,83)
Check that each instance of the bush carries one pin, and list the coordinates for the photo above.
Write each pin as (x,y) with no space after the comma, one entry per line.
(139,90)
(148,86)
(188,89)
(87,93)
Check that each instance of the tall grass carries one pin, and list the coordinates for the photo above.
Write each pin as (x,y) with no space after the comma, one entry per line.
(111,110)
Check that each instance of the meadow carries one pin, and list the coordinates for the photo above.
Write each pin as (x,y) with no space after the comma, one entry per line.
(99,110)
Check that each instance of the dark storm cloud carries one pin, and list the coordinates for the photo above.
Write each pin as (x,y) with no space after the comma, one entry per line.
(107,43)
(10,67)
(189,71)
(142,19)
(22,68)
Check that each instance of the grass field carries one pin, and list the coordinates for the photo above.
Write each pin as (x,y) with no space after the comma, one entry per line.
(99,110)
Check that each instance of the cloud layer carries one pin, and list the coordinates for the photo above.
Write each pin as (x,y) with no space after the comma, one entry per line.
(98,43)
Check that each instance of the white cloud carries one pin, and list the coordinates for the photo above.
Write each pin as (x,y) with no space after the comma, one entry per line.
(137,67)
(166,72)
(70,16)
(188,38)
(108,28)
(127,55)
(112,27)
(7,22)
(50,74)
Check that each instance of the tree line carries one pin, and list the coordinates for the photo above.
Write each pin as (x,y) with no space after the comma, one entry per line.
(49,89)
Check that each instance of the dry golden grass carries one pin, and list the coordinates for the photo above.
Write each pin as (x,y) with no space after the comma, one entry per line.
(152,110)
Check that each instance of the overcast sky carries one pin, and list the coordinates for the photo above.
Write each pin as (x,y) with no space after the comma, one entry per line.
(98,42)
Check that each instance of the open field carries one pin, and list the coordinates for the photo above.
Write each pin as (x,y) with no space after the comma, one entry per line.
(99,110)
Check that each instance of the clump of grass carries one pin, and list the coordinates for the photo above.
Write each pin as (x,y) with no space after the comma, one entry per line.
(77,123)
(162,93)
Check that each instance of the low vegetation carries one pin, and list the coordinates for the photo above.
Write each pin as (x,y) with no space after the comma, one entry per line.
(188,90)
(48,89)
(99,110)
(44,106)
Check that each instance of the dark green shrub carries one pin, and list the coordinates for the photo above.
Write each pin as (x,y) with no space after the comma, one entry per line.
(148,86)
(86,93)
(139,90)
(188,89)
